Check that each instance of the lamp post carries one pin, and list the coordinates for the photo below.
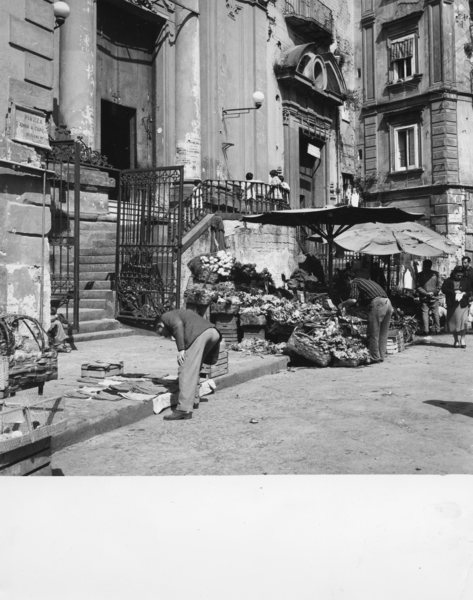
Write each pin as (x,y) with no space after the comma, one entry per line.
(258,99)
(61,12)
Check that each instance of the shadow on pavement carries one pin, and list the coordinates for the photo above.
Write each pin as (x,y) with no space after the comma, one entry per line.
(460,408)
(57,473)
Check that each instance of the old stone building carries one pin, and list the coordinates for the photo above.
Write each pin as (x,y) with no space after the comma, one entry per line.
(417,111)
(153,84)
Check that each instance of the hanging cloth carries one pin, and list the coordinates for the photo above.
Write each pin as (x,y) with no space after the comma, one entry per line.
(402,49)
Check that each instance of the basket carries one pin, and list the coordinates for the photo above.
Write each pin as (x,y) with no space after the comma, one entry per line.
(278,332)
(304,345)
(31,361)
(346,362)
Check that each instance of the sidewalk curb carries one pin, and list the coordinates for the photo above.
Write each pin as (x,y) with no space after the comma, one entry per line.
(127,415)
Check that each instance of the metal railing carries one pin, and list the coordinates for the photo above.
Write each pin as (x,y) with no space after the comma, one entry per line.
(310,9)
(230,196)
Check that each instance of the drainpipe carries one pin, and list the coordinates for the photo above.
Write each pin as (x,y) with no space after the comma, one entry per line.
(43,245)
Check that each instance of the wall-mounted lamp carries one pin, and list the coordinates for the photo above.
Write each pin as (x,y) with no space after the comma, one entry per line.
(61,12)
(258,99)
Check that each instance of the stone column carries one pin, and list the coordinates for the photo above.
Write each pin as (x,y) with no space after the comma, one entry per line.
(188,114)
(77,77)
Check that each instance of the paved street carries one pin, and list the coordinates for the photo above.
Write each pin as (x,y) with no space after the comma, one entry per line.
(409,415)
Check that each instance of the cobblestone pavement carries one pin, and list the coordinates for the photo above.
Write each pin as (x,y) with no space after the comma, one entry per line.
(411,414)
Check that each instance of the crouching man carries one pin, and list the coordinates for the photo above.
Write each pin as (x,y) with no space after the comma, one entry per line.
(371,295)
(197,341)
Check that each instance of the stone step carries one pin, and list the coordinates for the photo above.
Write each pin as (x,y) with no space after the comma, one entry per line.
(94,276)
(103,334)
(91,283)
(99,267)
(89,259)
(99,249)
(87,314)
(95,303)
(98,325)
(96,294)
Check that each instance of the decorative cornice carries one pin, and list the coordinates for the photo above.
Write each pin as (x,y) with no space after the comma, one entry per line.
(312,124)
(154,5)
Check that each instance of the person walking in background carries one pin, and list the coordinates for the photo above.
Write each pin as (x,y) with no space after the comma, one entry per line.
(428,288)
(458,290)
(371,295)
(197,341)
(467,268)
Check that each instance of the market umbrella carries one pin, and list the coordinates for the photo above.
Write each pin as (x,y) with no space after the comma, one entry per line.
(393,238)
(330,223)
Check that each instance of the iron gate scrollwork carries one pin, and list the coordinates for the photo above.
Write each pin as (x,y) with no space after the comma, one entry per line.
(149,235)
(64,161)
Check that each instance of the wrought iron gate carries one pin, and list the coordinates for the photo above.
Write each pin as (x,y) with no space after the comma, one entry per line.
(64,161)
(149,236)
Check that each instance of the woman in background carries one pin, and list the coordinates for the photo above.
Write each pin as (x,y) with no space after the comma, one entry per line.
(458,294)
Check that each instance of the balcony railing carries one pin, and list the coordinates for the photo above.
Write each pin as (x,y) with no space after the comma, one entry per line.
(314,10)
(229,196)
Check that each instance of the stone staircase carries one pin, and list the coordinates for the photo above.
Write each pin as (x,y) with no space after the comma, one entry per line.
(97,298)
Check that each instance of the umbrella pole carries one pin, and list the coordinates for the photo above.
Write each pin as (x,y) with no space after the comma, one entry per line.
(330,255)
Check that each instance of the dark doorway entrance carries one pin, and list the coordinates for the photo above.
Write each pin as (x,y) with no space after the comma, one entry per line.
(311,173)
(118,135)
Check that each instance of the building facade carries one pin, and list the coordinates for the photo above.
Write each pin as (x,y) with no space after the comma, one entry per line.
(153,83)
(417,112)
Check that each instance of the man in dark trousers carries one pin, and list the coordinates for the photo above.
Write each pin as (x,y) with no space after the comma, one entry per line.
(428,288)
(370,294)
(197,340)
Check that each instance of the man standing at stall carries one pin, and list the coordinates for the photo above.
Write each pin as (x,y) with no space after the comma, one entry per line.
(370,294)
(197,340)
(428,288)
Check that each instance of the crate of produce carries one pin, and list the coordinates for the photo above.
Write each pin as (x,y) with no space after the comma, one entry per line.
(25,435)
(220,367)
(253,331)
(227,324)
(101,369)
(218,308)
(252,319)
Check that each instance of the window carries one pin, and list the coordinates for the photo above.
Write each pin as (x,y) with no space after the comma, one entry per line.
(403,58)
(406,148)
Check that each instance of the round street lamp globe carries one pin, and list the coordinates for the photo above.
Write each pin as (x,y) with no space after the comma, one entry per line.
(258,99)
(61,11)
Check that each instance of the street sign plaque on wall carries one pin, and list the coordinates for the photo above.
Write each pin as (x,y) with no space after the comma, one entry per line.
(28,126)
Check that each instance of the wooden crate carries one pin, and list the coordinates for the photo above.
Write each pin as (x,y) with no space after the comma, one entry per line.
(34,424)
(220,367)
(227,324)
(395,342)
(101,370)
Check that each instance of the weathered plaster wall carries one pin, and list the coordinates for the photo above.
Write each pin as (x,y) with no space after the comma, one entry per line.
(271,247)
(22,263)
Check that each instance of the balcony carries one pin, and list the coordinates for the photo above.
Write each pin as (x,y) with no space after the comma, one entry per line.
(310,18)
